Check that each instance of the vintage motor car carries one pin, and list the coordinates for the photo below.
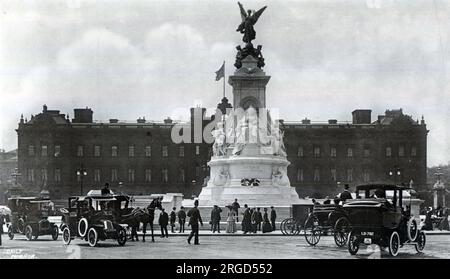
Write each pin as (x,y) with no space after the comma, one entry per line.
(94,217)
(380,215)
(29,216)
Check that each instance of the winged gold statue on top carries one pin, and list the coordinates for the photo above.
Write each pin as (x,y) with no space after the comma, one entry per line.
(249,19)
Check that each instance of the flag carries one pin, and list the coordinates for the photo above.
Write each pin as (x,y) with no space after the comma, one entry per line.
(221,72)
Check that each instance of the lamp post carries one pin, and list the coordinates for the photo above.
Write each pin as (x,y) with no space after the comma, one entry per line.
(81,173)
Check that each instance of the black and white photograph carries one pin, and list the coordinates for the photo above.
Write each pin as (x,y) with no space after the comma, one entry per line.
(224,130)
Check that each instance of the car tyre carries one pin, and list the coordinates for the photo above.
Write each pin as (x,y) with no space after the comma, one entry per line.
(92,236)
(83,227)
(394,244)
(66,236)
(420,242)
(412,229)
(10,232)
(55,232)
(29,232)
(353,245)
(121,236)
(21,226)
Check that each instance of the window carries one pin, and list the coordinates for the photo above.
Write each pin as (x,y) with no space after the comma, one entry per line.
(30,175)
(366,175)
(198,171)
(388,151)
(413,151)
(182,175)
(31,151)
(57,150)
(349,152)
(165,175)
(401,151)
(165,151)
(333,175)
(300,175)
(333,151)
(300,151)
(114,176)
(148,151)
(44,175)
(131,151)
(80,151)
(349,175)
(97,175)
(197,150)
(181,151)
(316,151)
(316,174)
(97,151)
(366,151)
(148,175)
(114,151)
(131,173)
(44,151)
(57,177)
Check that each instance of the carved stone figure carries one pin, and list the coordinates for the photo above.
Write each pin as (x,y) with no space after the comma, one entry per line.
(249,19)
(219,147)
(222,178)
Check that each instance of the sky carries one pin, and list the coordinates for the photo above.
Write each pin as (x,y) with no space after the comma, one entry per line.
(155,59)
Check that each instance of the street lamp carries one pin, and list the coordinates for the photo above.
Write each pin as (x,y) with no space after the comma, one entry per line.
(393,174)
(81,173)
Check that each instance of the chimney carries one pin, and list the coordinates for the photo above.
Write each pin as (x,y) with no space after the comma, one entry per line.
(82,115)
(141,120)
(306,121)
(332,121)
(362,116)
(113,120)
(167,120)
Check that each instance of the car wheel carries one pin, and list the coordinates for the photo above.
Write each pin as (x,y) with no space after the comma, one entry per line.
(421,240)
(66,236)
(341,229)
(121,236)
(55,232)
(10,232)
(29,232)
(283,231)
(290,227)
(21,225)
(92,237)
(412,229)
(394,244)
(353,244)
(83,226)
(312,230)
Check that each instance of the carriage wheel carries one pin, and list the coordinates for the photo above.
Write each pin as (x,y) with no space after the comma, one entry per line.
(421,240)
(121,236)
(394,244)
(29,232)
(10,232)
(283,231)
(55,232)
(21,225)
(290,226)
(83,226)
(412,229)
(312,230)
(92,237)
(66,236)
(341,229)
(353,244)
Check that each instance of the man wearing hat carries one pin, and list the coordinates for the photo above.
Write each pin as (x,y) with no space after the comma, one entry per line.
(105,190)
(345,195)
(194,219)
(181,218)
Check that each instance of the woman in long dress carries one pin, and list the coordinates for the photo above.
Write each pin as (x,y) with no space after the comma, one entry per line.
(231,220)
(267,227)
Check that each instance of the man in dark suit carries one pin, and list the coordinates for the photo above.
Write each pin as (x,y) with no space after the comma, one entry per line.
(181,218)
(273,217)
(346,195)
(259,219)
(194,219)
(215,218)
(163,222)
(173,217)
(246,220)
(235,205)
(105,190)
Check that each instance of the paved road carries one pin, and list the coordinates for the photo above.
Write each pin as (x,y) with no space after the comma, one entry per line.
(212,247)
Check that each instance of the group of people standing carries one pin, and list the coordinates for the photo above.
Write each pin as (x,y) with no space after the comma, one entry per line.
(166,219)
(253,219)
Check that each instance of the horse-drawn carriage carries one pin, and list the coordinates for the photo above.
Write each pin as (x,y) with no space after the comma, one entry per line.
(29,216)
(324,219)
(95,217)
(294,224)
(381,216)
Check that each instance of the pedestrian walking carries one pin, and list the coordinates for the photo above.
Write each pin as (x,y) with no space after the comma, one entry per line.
(215,218)
(259,219)
(235,205)
(254,220)
(266,227)
(246,220)
(163,222)
(173,218)
(194,219)
(273,217)
(181,218)
(231,220)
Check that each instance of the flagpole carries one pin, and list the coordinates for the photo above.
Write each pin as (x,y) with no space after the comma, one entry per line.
(224,75)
